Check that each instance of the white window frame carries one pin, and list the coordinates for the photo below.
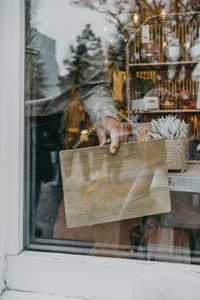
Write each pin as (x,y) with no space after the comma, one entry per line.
(40,272)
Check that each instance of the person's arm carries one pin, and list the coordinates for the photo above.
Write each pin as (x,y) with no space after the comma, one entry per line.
(98,103)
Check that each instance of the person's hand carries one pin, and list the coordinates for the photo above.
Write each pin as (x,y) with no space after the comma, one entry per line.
(113,129)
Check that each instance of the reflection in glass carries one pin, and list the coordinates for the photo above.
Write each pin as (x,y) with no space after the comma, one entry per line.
(83,57)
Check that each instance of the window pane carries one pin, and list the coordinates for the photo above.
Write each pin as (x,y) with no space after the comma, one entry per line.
(129,70)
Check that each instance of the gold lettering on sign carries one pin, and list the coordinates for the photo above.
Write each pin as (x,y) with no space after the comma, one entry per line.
(94,189)
(107,193)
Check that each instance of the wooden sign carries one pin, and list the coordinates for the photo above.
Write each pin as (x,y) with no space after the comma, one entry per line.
(100,187)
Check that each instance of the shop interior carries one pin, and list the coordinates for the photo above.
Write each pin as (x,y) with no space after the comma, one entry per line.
(154,65)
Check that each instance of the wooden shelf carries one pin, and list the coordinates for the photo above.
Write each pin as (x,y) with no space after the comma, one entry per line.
(163,65)
(188,181)
(172,111)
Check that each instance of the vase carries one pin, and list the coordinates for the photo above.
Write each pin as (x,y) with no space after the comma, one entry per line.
(185,99)
(174,51)
(195,50)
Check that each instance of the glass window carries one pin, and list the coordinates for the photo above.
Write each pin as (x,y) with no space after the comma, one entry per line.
(123,74)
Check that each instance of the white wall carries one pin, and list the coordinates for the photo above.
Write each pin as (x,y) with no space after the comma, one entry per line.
(3,92)
(11,129)
(2,242)
(2,245)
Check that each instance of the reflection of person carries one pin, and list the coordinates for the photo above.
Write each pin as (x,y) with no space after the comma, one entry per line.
(46,98)
(43,88)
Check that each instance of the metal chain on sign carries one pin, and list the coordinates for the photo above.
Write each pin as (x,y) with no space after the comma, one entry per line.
(97,124)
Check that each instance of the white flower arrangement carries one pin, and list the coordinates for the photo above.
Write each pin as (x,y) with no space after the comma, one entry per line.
(169,128)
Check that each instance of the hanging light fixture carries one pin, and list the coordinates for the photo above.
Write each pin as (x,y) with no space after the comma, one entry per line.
(135,18)
(187,44)
(163,13)
(164,44)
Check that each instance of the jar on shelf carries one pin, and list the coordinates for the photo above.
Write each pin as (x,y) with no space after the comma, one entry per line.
(185,99)
(149,52)
(167,101)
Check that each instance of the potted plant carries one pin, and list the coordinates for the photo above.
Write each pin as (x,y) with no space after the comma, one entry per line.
(174,131)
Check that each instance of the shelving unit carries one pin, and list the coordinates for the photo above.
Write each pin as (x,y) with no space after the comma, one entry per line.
(180,111)
(147,60)
(163,65)
(146,63)
(149,74)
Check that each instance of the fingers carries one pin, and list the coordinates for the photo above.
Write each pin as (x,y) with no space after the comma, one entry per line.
(118,135)
(101,136)
(117,131)
(114,135)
